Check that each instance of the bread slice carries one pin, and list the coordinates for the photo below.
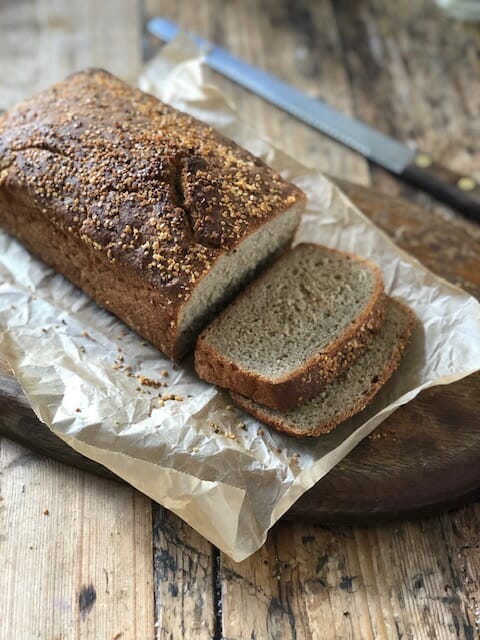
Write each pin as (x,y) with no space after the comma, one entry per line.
(351,392)
(294,329)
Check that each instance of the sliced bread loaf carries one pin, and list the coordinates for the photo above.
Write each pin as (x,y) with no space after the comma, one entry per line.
(295,328)
(351,392)
(151,212)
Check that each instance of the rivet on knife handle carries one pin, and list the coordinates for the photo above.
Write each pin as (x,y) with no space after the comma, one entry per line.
(458,190)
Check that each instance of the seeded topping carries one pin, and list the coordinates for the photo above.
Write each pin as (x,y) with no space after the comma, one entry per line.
(146,185)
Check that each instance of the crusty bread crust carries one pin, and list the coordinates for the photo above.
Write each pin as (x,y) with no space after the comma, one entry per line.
(298,386)
(120,186)
(282,425)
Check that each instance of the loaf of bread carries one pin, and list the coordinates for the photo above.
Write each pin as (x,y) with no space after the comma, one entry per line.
(295,328)
(154,214)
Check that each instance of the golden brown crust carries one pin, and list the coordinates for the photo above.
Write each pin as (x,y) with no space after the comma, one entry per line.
(282,425)
(136,184)
(304,383)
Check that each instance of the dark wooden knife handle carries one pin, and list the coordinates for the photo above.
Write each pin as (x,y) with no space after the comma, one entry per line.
(462,192)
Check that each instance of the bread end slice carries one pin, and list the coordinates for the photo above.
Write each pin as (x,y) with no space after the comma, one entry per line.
(350,393)
(308,291)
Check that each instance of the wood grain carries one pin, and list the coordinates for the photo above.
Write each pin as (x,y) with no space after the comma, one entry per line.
(75,552)
(393,581)
(186,601)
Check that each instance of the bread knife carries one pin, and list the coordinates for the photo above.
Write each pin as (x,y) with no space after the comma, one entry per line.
(418,168)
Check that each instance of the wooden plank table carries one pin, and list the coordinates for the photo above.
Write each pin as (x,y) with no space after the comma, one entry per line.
(83,557)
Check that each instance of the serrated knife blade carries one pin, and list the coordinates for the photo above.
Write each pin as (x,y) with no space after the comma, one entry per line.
(355,134)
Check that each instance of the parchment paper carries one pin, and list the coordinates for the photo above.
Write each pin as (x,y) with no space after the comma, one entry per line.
(227,475)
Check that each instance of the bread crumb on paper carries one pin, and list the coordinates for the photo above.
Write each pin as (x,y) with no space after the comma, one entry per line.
(148,382)
(172,396)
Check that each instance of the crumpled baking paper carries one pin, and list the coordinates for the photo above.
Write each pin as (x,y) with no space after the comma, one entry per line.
(224,473)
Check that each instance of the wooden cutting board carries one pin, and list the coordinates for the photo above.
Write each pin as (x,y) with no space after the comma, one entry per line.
(425,457)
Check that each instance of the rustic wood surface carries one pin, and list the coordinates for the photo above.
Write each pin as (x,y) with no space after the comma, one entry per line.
(428,439)
(403,67)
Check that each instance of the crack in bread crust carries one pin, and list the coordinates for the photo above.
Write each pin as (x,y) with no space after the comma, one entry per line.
(147,181)
(136,185)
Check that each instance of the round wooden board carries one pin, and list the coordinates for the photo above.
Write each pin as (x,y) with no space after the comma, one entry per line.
(425,457)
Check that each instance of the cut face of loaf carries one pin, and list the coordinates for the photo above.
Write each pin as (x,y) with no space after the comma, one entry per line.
(351,392)
(231,271)
(295,328)
(154,214)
